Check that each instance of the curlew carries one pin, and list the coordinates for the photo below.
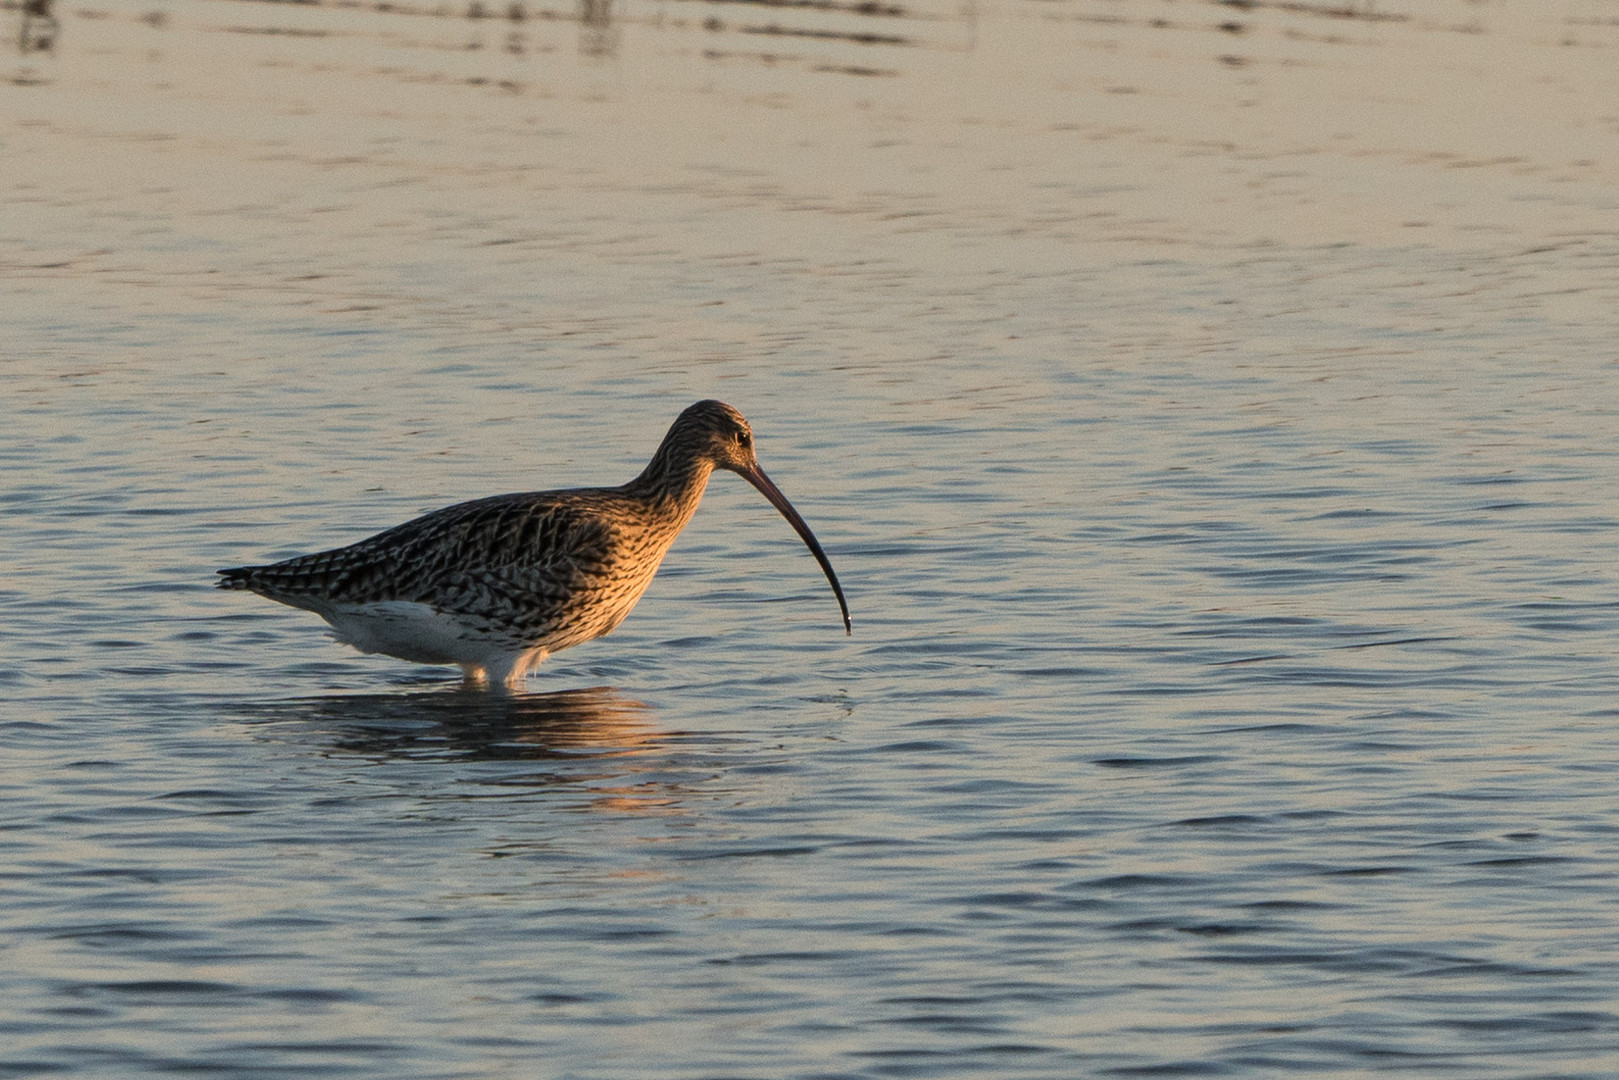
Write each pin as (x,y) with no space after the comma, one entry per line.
(496,585)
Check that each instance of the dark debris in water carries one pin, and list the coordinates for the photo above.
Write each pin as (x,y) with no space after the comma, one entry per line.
(857,37)
(858,7)
(1364,11)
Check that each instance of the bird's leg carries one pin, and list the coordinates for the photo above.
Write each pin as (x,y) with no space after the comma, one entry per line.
(511,671)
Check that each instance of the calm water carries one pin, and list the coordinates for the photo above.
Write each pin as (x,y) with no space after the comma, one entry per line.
(1209,409)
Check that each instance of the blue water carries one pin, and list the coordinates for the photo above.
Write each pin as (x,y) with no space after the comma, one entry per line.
(1232,687)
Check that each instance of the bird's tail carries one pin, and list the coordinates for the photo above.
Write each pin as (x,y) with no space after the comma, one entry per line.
(238,577)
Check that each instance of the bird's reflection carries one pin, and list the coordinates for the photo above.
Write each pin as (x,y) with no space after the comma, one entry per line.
(37,32)
(473,725)
(598,36)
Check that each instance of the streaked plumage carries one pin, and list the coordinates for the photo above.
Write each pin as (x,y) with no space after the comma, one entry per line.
(496,585)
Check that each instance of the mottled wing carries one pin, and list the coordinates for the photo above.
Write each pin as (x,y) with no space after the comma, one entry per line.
(487,556)
(542,578)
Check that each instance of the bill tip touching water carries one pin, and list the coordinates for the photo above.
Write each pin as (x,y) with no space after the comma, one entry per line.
(496,585)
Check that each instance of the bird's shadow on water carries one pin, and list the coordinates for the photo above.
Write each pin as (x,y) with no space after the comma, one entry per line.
(463,725)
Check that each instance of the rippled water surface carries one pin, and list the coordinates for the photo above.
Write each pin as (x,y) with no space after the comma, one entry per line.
(1209,407)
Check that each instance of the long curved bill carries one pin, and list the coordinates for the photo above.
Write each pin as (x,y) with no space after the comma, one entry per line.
(758,479)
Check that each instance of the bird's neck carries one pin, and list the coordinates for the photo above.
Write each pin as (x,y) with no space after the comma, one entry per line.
(672,485)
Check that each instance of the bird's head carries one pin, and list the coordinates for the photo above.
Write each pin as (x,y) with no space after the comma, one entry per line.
(712,431)
(717,432)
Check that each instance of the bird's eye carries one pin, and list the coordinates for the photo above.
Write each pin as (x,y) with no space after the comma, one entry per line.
(743,438)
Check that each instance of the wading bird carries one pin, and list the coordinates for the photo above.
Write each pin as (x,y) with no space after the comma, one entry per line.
(496,585)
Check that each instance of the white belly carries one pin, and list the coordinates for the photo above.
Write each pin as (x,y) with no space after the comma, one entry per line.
(417,633)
